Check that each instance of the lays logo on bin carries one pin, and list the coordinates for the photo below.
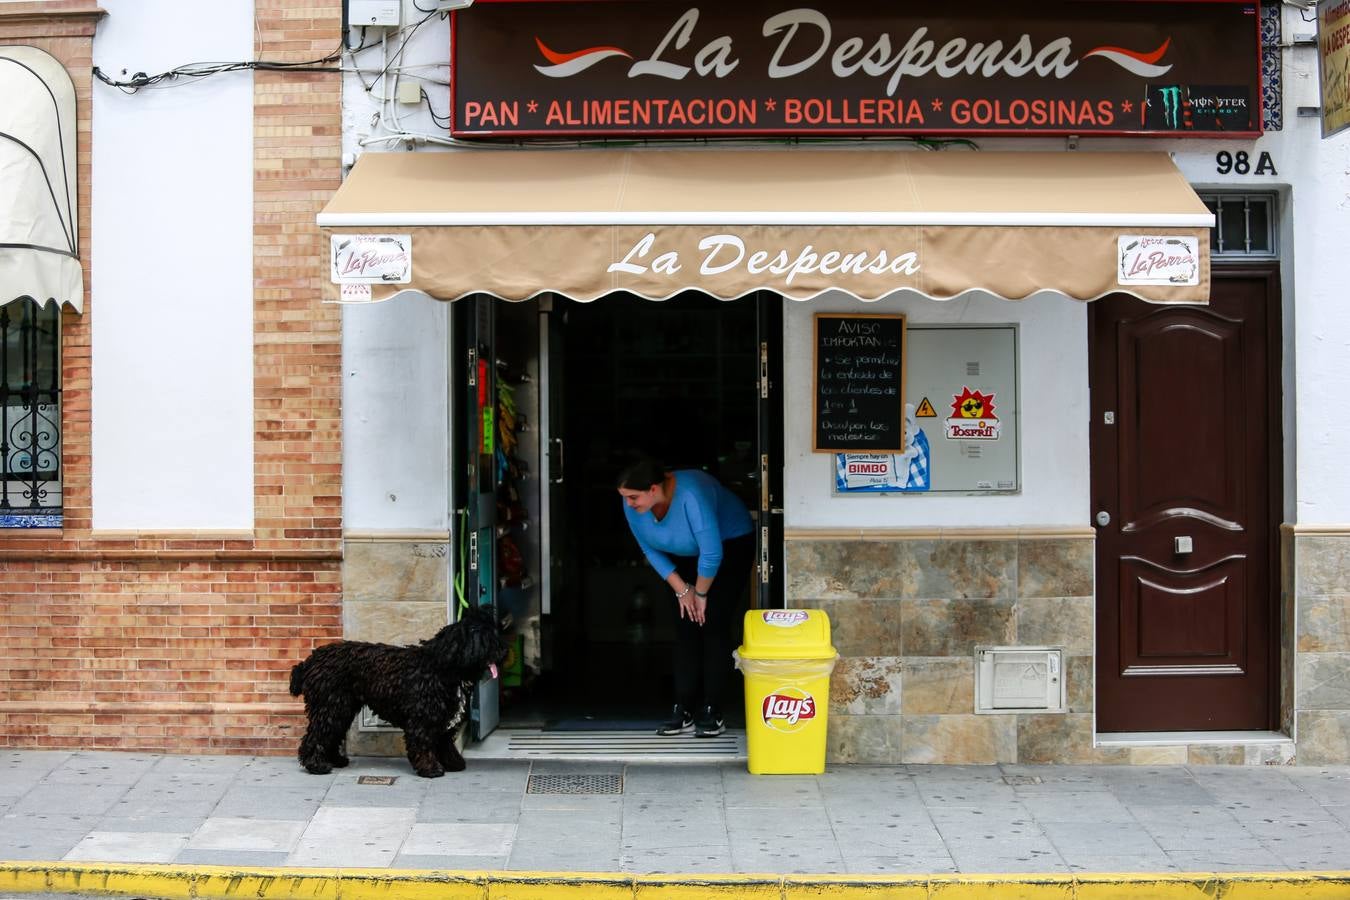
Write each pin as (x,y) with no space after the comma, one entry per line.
(788,709)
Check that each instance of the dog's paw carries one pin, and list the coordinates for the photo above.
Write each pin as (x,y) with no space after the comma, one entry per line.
(339,761)
(318,767)
(437,772)
(455,765)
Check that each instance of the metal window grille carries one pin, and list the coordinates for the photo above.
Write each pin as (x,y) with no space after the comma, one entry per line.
(1244,225)
(30,415)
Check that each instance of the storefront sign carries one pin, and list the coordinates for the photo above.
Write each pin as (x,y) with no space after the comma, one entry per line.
(371,258)
(667,67)
(1333,58)
(1158,259)
(722,253)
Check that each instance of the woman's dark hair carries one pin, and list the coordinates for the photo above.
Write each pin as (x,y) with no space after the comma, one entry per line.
(641,474)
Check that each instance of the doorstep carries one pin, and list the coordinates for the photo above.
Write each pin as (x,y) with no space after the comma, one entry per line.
(1201,747)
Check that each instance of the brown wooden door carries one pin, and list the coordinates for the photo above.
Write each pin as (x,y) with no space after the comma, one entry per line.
(1185,639)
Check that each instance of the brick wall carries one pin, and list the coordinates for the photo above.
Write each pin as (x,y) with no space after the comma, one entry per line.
(182,642)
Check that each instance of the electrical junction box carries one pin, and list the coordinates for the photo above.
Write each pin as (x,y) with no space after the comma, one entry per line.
(373,12)
(1019,679)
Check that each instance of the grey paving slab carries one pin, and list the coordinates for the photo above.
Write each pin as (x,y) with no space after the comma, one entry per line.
(1029,862)
(587,803)
(1106,839)
(483,775)
(1050,778)
(449,839)
(39,845)
(481,806)
(976,794)
(1210,839)
(1073,806)
(102,768)
(1084,861)
(80,799)
(913,841)
(352,836)
(14,783)
(879,814)
(932,864)
(255,801)
(1226,860)
(128,846)
(277,771)
(678,780)
(255,835)
(687,832)
(544,859)
(178,766)
(148,823)
(707,860)
(449,863)
(346,790)
(48,822)
(790,859)
(244,858)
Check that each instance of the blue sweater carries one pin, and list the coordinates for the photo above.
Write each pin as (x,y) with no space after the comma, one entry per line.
(702,515)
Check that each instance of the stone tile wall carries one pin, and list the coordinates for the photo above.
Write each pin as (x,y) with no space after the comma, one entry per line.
(907,615)
(1321,691)
(908,612)
(395,590)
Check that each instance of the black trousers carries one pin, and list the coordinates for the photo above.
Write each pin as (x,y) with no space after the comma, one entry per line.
(703,665)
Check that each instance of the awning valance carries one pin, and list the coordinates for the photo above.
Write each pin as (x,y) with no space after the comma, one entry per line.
(515,223)
(39,226)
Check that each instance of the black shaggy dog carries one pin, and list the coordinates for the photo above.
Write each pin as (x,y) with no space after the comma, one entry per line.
(423,689)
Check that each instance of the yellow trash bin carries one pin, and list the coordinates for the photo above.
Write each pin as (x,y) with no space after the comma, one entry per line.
(787,659)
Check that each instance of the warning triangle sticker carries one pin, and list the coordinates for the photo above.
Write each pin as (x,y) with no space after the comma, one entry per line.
(926,410)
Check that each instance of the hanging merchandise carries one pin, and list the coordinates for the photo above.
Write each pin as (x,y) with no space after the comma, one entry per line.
(511,513)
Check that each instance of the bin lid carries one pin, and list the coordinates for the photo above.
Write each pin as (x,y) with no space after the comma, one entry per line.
(787,634)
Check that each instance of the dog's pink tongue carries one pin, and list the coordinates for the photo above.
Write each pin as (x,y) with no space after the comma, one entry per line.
(492,667)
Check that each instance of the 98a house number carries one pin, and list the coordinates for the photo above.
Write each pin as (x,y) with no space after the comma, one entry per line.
(1240,163)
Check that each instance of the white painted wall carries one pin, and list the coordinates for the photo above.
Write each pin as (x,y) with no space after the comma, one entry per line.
(172,289)
(395,452)
(1053,406)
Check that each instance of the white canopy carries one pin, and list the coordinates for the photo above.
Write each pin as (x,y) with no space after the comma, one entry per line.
(39,232)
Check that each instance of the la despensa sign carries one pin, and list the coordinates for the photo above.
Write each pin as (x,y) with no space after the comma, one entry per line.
(523,68)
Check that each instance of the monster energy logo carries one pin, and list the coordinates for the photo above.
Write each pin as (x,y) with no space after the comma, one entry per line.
(1171,98)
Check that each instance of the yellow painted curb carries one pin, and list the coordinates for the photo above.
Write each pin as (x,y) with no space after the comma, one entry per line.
(171,882)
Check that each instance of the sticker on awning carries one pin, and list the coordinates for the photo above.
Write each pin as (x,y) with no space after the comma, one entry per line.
(371,258)
(1158,259)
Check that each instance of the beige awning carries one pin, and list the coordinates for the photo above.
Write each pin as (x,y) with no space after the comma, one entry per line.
(39,223)
(516,223)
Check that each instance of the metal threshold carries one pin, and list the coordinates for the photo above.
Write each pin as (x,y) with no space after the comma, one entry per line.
(608,746)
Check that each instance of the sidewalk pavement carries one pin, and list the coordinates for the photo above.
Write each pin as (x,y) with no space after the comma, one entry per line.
(682,820)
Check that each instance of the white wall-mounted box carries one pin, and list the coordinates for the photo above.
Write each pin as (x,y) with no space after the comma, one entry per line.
(1019,679)
(382,13)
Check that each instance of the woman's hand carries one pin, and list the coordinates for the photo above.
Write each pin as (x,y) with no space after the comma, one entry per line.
(692,607)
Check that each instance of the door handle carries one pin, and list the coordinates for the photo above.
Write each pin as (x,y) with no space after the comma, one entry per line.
(1103,518)
(558,445)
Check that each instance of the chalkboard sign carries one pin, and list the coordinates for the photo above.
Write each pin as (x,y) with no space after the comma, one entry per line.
(860,383)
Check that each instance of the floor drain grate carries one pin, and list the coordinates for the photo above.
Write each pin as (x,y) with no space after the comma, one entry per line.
(1021,779)
(607,783)
(376,779)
